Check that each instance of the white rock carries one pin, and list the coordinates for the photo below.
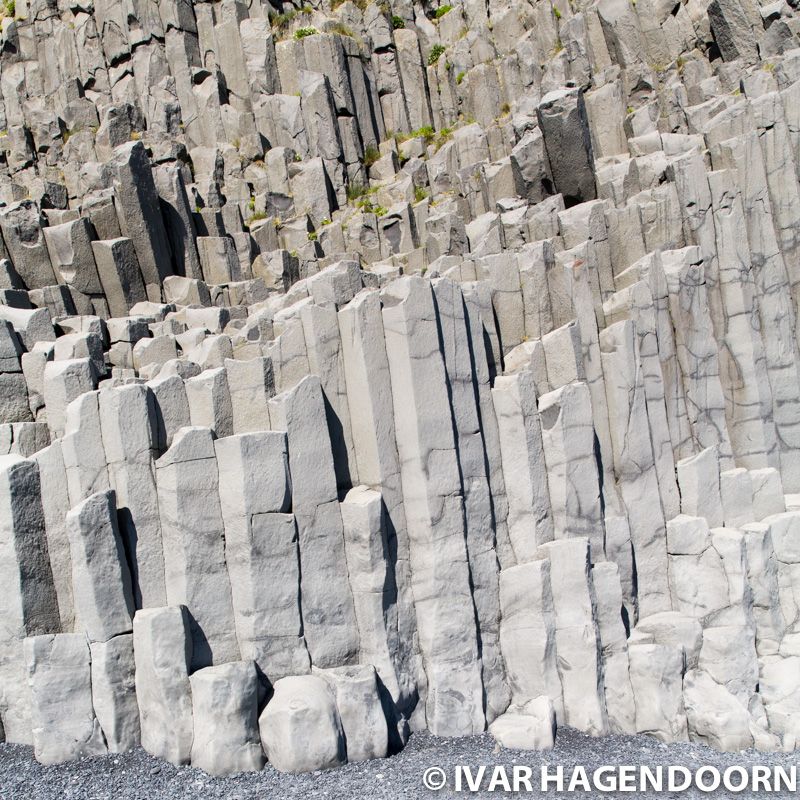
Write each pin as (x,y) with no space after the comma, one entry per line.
(162,645)
(63,721)
(225,714)
(300,728)
(528,727)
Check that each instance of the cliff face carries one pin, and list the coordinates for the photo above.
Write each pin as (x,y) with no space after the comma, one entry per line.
(370,368)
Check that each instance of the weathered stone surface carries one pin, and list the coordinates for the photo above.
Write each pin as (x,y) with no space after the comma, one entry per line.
(562,119)
(193,539)
(29,604)
(301,730)
(486,323)
(225,715)
(329,619)
(114,692)
(101,579)
(359,704)
(63,719)
(162,645)
(434,509)
(261,551)
(528,727)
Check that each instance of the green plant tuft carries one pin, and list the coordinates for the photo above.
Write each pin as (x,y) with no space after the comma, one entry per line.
(356,191)
(436,51)
(441,11)
(398,22)
(301,33)
(371,155)
(259,215)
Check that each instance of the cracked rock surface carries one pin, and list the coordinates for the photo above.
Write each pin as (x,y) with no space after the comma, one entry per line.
(377,369)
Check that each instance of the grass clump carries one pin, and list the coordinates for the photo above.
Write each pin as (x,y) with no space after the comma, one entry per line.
(419,194)
(355,191)
(342,30)
(281,22)
(398,23)
(460,77)
(255,217)
(371,155)
(428,134)
(301,33)
(436,51)
(441,11)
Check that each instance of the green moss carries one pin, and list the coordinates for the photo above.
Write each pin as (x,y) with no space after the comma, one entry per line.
(312,236)
(398,23)
(556,13)
(419,194)
(436,51)
(460,77)
(441,11)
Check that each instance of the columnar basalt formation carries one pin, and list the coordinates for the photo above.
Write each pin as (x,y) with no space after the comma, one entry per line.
(368,368)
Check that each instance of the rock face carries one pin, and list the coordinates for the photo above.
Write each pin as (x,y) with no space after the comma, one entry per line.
(370,368)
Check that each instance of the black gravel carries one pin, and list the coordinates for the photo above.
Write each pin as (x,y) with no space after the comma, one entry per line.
(138,776)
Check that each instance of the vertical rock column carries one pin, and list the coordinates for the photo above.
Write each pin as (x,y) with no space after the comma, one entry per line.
(28,604)
(528,634)
(193,538)
(329,618)
(323,345)
(136,202)
(480,320)
(774,300)
(569,450)
(55,504)
(127,417)
(636,303)
(261,551)
(59,675)
(103,609)
(743,367)
(530,520)
(478,506)
(697,351)
(371,407)
(434,511)
(163,647)
(634,465)
(372,584)
(577,635)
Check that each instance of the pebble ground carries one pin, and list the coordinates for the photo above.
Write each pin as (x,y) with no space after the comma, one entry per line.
(138,776)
